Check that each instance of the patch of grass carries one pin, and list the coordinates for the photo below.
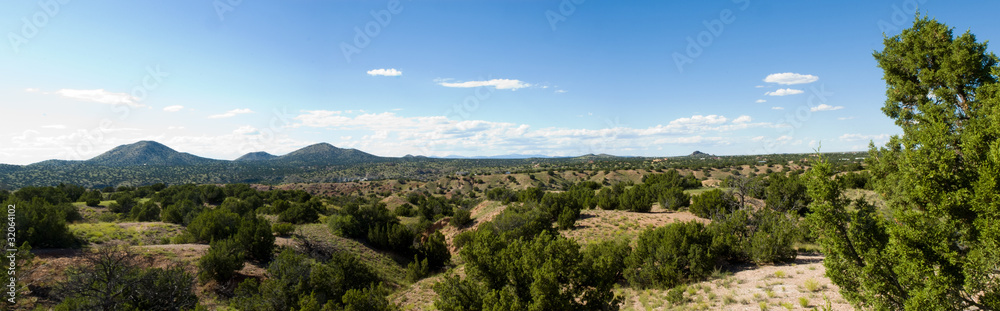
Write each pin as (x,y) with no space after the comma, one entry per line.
(788,305)
(728,300)
(804,302)
(145,234)
(763,306)
(812,285)
(770,293)
(779,274)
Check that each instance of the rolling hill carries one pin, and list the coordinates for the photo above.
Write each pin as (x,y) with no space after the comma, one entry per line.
(256,156)
(147,153)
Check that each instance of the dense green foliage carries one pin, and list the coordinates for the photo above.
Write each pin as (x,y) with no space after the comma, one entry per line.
(671,255)
(938,247)
(42,224)
(298,280)
(546,272)
(222,260)
(712,203)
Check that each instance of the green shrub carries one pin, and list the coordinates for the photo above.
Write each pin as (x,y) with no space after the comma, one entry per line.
(115,278)
(676,295)
(461,218)
(435,250)
(405,210)
(147,211)
(215,224)
(568,218)
(711,203)
(301,213)
(671,255)
(636,199)
(222,260)
(181,212)
(392,236)
(416,270)
(674,198)
(42,224)
(762,236)
(254,234)
(546,272)
(283,228)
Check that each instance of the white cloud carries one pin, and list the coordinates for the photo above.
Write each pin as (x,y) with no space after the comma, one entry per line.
(174,108)
(860,137)
(845,118)
(760,101)
(390,134)
(560,91)
(101,96)
(758,138)
(500,84)
(54,126)
(777,108)
(784,138)
(759,86)
(246,129)
(32,90)
(391,72)
(231,113)
(783,92)
(825,107)
(788,78)
(172,127)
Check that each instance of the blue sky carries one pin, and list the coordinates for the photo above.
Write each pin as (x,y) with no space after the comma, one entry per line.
(562,78)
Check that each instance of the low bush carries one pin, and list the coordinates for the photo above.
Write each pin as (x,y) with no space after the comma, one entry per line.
(461,218)
(671,255)
(222,260)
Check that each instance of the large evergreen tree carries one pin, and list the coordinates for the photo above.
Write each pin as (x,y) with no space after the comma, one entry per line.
(936,246)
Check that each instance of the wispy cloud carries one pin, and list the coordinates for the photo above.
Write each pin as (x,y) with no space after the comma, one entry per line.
(560,91)
(825,107)
(777,108)
(845,118)
(789,78)
(32,90)
(500,84)
(101,96)
(231,113)
(760,101)
(388,133)
(174,108)
(391,72)
(783,92)
(54,126)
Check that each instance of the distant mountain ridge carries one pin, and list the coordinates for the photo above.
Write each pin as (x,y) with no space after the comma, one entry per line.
(147,153)
(256,156)
(324,153)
